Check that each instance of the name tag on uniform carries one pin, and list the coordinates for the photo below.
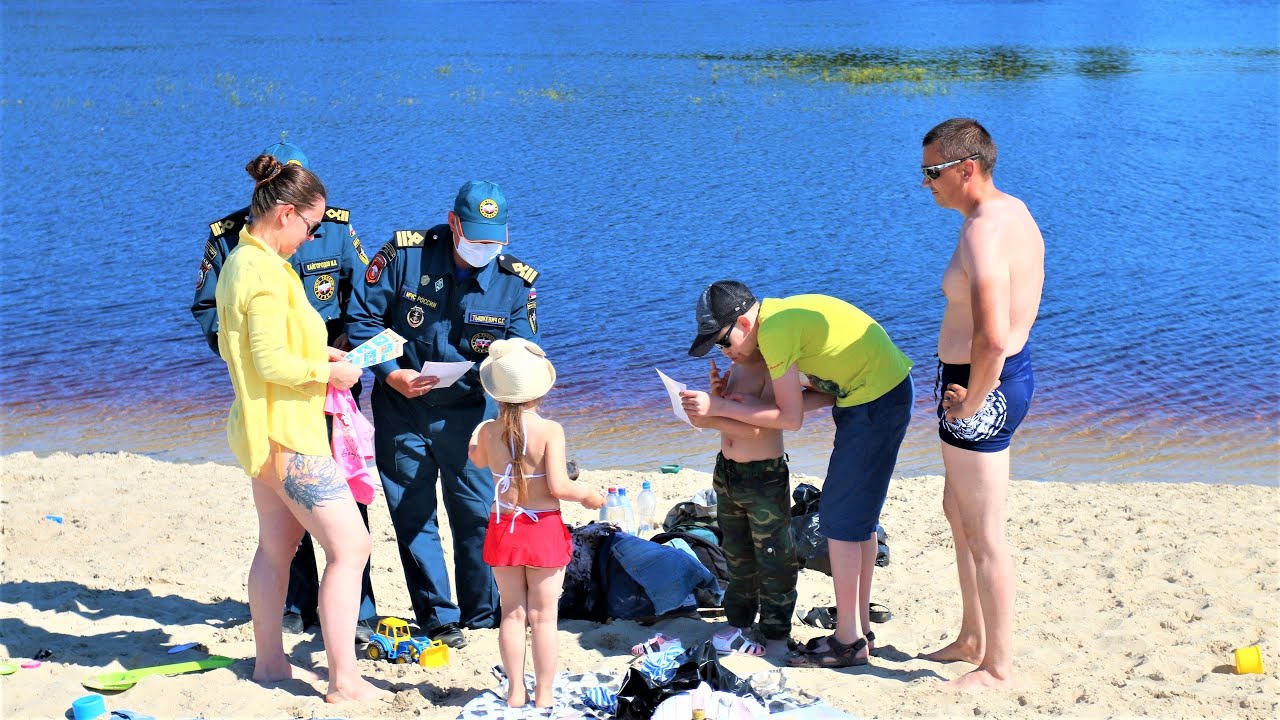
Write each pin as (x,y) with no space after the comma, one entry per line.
(480,317)
(316,266)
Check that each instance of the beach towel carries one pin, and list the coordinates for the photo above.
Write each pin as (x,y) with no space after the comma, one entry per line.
(571,692)
(352,443)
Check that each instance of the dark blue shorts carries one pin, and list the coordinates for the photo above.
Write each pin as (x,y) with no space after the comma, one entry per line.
(866,449)
(991,428)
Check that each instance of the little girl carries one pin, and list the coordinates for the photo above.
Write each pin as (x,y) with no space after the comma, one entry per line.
(527,543)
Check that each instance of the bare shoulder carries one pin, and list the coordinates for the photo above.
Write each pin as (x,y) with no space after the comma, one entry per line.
(748,378)
(544,427)
(488,429)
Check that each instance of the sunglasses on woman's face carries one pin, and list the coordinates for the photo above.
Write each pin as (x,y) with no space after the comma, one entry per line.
(933,171)
(312,227)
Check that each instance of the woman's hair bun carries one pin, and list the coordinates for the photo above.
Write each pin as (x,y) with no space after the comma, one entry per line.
(264,168)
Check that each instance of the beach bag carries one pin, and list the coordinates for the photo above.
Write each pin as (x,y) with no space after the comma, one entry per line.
(811,545)
(696,516)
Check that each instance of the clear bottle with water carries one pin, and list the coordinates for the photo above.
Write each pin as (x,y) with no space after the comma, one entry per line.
(646,505)
(612,510)
(628,512)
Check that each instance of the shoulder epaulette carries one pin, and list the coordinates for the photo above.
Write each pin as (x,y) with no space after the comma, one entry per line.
(337,215)
(228,225)
(414,238)
(512,264)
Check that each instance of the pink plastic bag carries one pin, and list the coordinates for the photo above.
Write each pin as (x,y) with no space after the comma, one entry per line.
(352,444)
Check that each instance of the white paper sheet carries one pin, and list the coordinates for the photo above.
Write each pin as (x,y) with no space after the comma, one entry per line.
(448,372)
(673,391)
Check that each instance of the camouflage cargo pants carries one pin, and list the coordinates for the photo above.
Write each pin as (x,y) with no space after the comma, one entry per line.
(753,507)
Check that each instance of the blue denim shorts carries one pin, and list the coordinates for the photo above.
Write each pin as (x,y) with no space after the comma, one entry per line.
(868,437)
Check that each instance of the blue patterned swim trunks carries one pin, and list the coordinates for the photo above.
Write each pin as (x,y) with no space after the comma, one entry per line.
(992,427)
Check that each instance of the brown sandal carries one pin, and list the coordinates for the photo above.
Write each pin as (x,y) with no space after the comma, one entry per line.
(837,654)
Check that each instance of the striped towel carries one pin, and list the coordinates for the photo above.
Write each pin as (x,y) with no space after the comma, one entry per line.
(599,698)
(658,668)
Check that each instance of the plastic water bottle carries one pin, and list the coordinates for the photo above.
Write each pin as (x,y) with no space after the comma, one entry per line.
(646,505)
(628,512)
(612,510)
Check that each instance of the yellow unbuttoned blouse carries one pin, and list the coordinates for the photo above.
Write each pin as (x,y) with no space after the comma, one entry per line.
(274,344)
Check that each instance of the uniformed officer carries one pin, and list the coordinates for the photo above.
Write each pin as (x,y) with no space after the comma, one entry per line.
(327,265)
(449,291)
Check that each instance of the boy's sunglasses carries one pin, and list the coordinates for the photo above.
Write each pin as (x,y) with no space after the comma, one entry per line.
(933,171)
(724,339)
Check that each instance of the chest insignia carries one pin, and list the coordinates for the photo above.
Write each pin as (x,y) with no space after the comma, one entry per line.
(323,287)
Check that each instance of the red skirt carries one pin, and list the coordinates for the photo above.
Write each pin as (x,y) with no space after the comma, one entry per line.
(544,543)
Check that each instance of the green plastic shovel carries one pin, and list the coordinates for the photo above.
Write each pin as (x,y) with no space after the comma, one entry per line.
(114,681)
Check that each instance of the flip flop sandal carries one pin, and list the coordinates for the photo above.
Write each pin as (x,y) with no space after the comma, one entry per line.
(657,643)
(820,617)
(837,655)
(737,644)
(880,613)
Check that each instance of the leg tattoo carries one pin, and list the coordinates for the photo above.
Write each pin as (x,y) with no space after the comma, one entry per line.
(311,481)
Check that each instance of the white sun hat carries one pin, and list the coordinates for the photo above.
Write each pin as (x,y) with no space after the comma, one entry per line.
(516,371)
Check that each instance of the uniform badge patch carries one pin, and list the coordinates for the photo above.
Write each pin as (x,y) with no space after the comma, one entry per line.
(415,316)
(205,267)
(334,214)
(210,252)
(323,287)
(355,240)
(375,268)
(424,281)
(480,342)
(439,284)
(489,208)
(531,307)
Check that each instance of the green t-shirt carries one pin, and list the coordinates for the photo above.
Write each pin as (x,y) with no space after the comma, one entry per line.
(840,348)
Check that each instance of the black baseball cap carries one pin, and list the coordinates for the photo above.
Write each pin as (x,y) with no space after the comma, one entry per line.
(721,303)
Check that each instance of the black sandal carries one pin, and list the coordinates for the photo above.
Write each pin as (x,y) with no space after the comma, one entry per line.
(820,617)
(825,617)
(837,654)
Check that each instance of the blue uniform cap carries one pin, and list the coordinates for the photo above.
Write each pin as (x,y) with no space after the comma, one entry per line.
(482,208)
(286,153)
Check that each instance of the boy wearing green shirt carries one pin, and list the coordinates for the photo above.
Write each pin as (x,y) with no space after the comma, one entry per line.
(843,352)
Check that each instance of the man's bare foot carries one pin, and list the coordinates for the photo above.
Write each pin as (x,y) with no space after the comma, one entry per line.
(355,690)
(958,651)
(280,671)
(776,648)
(978,680)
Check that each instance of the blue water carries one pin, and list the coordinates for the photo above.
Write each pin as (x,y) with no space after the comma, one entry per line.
(648,149)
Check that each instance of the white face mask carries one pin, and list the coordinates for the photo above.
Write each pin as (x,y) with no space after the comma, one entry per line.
(477,255)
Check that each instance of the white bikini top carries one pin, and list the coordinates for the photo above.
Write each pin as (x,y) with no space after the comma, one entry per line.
(503,482)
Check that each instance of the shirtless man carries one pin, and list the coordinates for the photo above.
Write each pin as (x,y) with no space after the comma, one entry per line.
(992,285)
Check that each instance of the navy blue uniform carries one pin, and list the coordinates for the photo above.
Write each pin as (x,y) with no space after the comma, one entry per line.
(328,265)
(414,287)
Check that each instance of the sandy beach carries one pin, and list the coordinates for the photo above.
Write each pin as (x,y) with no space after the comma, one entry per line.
(1131,598)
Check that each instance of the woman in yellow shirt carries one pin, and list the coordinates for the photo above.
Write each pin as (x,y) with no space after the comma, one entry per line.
(273,342)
